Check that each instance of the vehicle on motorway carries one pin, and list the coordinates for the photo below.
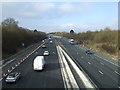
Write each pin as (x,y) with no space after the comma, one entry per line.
(89,52)
(46,53)
(43,41)
(51,41)
(71,41)
(39,63)
(49,38)
(43,46)
(13,77)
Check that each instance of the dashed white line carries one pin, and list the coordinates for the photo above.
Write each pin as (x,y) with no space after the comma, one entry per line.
(117,72)
(89,63)
(100,72)
(106,60)
(102,63)
(81,75)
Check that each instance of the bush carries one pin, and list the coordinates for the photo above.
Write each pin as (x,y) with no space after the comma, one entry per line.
(109,49)
(13,36)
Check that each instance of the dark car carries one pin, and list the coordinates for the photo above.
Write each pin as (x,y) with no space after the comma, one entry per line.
(89,52)
(13,77)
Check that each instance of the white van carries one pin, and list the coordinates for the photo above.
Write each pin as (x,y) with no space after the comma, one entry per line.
(39,63)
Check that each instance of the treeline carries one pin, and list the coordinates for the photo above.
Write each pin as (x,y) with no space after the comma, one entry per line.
(104,40)
(15,37)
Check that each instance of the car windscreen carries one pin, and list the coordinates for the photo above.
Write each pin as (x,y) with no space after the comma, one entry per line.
(11,75)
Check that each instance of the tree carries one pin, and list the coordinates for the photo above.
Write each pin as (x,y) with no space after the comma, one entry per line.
(35,30)
(10,22)
(71,31)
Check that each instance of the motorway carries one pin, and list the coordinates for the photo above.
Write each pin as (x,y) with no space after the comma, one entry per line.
(99,71)
(50,77)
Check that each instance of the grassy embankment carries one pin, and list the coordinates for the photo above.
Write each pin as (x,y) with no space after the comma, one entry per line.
(13,36)
(104,41)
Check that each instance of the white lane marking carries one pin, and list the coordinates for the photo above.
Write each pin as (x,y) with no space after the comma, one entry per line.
(89,63)
(14,58)
(101,63)
(1,79)
(7,63)
(100,72)
(106,60)
(64,76)
(117,72)
(81,75)
(67,72)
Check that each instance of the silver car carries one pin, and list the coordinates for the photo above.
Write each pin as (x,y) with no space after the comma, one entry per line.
(13,77)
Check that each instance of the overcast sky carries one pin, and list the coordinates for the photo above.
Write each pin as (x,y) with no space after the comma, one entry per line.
(62,16)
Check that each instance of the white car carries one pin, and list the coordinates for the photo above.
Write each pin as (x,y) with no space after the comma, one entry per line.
(46,53)
(51,41)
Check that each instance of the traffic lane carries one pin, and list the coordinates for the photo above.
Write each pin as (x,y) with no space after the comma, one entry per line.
(110,68)
(109,76)
(85,61)
(90,59)
(19,57)
(53,67)
(101,60)
(109,65)
(50,77)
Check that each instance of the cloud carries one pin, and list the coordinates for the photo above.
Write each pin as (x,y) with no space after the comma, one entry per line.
(67,8)
(52,17)
(37,9)
(27,10)
(42,10)
(76,27)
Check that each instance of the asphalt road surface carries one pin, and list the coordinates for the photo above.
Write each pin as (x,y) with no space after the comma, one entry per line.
(100,71)
(49,77)
(103,73)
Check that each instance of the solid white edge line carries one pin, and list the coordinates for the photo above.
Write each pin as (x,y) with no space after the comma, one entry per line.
(7,63)
(61,68)
(84,79)
(68,73)
(117,72)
